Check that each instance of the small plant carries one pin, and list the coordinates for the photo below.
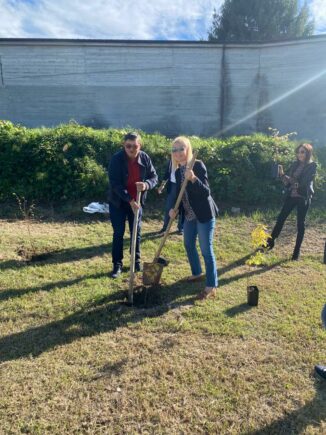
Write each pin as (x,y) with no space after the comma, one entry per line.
(259,237)
(27,212)
(275,133)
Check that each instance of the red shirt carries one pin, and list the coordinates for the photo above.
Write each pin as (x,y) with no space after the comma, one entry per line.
(133,177)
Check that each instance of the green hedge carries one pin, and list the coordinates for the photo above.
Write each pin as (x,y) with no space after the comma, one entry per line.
(70,161)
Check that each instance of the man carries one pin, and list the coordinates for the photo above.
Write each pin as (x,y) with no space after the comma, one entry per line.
(321,369)
(130,170)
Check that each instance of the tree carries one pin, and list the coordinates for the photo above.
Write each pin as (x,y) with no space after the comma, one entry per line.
(260,20)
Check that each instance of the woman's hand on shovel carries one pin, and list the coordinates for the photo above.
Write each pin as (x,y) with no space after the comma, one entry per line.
(190,176)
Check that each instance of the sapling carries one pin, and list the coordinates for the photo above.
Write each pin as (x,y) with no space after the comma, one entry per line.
(259,237)
(27,212)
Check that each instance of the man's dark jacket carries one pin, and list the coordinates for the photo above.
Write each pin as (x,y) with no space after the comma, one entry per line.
(118,176)
(199,193)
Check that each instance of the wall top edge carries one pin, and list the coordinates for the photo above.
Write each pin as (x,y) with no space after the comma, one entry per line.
(152,43)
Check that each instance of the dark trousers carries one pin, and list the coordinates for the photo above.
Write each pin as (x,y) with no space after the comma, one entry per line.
(118,218)
(302,207)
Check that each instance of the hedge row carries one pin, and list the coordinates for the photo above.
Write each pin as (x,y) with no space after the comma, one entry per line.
(70,161)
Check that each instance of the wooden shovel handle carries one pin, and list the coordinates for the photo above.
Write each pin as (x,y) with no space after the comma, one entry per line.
(176,207)
(133,251)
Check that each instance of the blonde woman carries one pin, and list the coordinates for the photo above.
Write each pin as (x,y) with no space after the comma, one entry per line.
(200,213)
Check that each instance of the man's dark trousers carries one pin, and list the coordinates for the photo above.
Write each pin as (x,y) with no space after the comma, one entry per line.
(118,218)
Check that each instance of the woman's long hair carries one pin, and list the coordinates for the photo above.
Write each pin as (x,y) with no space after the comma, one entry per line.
(308,149)
(184,141)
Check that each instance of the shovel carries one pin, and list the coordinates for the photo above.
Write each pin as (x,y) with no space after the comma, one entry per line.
(133,253)
(152,271)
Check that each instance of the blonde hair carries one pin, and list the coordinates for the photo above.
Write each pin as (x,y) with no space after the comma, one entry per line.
(182,140)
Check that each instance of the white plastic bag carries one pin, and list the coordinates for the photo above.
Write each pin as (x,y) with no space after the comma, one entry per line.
(96,207)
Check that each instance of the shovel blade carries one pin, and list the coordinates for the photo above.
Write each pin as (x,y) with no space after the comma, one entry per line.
(152,273)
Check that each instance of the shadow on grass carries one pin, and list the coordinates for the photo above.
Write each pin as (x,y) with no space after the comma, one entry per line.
(61,256)
(297,421)
(238,309)
(72,254)
(225,281)
(105,315)
(12,293)
(89,252)
(236,263)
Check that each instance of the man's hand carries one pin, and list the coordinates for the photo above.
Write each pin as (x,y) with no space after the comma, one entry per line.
(190,176)
(134,205)
(280,171)
(161,188)
(141,186)
(172,213)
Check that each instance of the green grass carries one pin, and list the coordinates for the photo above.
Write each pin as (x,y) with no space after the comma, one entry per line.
(75,359)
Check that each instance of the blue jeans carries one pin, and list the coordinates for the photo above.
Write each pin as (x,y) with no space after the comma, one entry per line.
(118,218)
(170,203)
(205,233)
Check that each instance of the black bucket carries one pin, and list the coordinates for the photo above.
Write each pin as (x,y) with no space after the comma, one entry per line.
(252,295)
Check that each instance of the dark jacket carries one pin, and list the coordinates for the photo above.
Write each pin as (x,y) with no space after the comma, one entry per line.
(167,176)
(199,193)
(118,176)
(305,180)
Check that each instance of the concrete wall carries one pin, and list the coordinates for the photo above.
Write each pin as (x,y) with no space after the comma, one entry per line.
(172,87)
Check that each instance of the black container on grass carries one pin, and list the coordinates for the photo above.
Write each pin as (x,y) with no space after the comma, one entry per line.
(252,295)
(325,253)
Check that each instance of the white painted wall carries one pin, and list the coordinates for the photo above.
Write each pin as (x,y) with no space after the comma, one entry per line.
(172,87)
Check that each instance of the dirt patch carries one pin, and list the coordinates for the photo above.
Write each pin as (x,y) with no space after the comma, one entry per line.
(145,297)
(30,256)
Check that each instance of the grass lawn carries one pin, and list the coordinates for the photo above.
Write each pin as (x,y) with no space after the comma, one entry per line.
(74,359)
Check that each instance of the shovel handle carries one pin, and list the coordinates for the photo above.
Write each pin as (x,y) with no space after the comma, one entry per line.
(133,252)
(176,207)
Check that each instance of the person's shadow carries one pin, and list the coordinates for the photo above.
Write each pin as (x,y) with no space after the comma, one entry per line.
(313,413)
(61,256)
(88,252)
(106,314)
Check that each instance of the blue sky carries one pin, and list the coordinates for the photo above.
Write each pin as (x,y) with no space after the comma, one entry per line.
(117,19)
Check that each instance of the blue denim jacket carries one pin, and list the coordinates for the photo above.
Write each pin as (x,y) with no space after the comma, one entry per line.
(118,176)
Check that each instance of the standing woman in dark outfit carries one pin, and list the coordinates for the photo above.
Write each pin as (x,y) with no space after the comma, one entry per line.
(200,212)
(299,184)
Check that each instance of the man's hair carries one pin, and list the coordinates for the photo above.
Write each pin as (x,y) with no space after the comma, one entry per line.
(132,135)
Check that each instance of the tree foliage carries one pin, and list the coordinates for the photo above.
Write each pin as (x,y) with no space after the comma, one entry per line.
(260,20)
